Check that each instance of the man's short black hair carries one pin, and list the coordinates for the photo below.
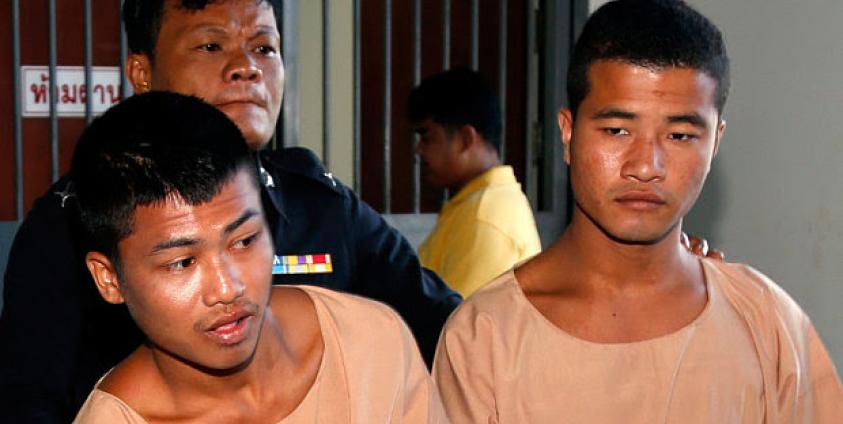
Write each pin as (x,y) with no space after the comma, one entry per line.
(142,19)
(147,149)
(455,98)
(650,33)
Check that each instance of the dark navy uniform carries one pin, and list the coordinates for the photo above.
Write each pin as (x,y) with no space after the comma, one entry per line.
(57,336)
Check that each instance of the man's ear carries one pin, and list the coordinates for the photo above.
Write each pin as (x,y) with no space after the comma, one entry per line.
(566,127)
(467,137)
(139,72)
(105,277)
(721,128)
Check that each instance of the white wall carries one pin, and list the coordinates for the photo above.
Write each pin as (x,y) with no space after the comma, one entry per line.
(774,198)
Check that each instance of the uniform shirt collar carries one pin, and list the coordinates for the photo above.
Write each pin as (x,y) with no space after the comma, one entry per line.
(270,189)
(266,179)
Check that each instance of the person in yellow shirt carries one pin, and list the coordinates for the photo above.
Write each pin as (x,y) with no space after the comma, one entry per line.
(487,226)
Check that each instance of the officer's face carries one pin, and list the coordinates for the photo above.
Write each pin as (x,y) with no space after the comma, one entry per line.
(228,54)
(196,278)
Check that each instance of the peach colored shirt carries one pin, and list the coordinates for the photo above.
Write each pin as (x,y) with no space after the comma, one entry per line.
(751,356)
(371,371)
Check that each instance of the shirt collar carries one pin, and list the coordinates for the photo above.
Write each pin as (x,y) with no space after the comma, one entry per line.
(497,175)
(269,189)
(266,179)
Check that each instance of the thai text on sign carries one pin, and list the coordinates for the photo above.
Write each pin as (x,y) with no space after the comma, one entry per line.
(70,90)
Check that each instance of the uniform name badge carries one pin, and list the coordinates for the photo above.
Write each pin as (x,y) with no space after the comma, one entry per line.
(302,264)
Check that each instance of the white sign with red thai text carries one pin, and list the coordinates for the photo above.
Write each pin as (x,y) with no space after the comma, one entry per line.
(70,90)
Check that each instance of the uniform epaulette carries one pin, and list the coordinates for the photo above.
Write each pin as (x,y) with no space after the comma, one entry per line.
(63,189)
(300,161)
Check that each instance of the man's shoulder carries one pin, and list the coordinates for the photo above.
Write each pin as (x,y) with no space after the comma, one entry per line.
(507,209)
(753,293)
(496,301)
(293,166)
(368,331)
(353,313)
(331,311)
(55,208)
(103,407)
(750,282)
(59,199)
(49,232)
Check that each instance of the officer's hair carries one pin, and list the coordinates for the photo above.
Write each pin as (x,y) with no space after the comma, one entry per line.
(655,34)
(149,149)
(142,19)
(456,98)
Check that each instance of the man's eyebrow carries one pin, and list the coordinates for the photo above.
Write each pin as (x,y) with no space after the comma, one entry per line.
(174,243)
(267,30)
(187,241)
(247,215)
(689,118)
(614,113)
(213,28)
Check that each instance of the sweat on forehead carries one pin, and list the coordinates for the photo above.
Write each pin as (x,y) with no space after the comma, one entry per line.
(142,19)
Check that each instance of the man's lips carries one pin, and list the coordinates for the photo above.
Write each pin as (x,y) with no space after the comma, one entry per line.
(240,98)
(641,199)
(230,328)
(234,103)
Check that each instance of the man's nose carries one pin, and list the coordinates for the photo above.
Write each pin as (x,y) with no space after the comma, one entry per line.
(223,283)
(243,67)
(645,160)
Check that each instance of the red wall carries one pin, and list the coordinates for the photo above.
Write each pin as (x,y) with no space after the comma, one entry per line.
(34,50)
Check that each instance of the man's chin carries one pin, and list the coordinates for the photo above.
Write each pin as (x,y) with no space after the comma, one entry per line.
(257,137)
(258,142)
(639,235)
(256,130)
(640,230)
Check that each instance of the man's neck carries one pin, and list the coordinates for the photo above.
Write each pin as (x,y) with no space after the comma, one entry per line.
(606,291)
(593,259)
(482,165)
(187,382)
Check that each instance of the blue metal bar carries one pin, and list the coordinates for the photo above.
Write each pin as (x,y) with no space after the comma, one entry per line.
(417,12)
(17,123)
(446,52)
(446,34)
(326,84)
(387,106)
(53,96)
(291,110)
(531,106)
(475,34)
(502,59)
(125,87)
(89,63)
(356,94)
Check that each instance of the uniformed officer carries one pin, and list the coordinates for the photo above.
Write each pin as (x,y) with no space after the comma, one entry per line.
(52,348)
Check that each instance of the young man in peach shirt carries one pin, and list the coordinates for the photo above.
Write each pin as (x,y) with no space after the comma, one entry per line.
(615,322)
(169,197)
